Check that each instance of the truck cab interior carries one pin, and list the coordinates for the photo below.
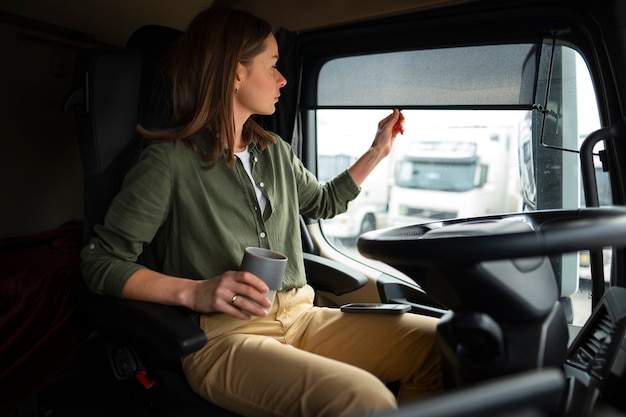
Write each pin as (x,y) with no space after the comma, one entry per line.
(517,246)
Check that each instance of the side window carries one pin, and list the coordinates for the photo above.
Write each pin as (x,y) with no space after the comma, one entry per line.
(479,139)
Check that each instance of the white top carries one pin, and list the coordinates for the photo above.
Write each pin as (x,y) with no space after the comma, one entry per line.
(244,156)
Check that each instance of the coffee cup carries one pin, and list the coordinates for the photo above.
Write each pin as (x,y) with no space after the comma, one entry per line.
(266,264)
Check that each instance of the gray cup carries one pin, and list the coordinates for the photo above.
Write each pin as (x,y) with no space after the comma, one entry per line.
(267,265)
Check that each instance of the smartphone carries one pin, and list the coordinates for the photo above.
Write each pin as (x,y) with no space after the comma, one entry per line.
(375,308)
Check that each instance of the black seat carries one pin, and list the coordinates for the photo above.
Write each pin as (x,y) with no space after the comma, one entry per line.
(137,335)
(116,88)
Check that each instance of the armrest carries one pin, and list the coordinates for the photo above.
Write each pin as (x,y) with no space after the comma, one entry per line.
(171,334)
(163,329)
(327,275)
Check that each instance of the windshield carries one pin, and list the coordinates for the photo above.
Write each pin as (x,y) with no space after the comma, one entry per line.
(436,175)
(466,151)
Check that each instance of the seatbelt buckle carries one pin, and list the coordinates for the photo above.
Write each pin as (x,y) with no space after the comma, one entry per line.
(144,379)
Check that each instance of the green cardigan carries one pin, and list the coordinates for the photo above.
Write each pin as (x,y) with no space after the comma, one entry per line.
(199,221)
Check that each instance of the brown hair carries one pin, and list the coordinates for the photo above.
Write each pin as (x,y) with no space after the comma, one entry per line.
(202,67)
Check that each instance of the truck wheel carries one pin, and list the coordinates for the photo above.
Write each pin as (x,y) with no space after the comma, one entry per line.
(368,224)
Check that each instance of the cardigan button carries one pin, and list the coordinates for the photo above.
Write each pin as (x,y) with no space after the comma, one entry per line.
(262,235)
(261,184)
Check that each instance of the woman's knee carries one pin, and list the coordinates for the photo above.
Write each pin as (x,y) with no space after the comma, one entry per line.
(304,384)
(358,395)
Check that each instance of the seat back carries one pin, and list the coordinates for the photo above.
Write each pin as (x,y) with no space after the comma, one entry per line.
(105,102)
(116,89)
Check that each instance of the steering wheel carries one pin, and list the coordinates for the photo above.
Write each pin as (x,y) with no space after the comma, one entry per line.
(506,236)
(496,263)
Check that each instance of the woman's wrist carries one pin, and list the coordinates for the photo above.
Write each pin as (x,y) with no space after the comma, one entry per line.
(187,294)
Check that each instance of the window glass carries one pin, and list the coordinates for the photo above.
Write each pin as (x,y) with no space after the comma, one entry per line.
(454,162)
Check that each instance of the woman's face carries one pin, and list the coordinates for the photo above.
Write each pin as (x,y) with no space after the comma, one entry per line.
(258,84)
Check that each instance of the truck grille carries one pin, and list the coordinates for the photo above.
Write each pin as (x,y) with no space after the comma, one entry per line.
(427,213)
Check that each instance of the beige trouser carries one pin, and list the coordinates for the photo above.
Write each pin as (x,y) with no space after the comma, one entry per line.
(302,360)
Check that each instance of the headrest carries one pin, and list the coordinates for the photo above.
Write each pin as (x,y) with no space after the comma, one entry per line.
(154,43)
(116,88)
(107,111)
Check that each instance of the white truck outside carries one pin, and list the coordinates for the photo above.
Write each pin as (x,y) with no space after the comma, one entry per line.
(455,173)
(366,212)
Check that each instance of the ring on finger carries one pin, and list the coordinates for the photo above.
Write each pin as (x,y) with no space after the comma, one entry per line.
(232,300)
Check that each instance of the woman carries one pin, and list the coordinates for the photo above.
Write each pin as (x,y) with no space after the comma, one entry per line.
(215,183)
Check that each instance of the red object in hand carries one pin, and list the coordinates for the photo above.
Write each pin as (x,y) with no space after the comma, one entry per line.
(399,126)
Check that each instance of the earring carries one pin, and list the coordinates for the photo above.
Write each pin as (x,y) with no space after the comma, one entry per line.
(236,90)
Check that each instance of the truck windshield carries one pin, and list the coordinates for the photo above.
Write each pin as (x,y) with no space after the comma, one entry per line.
(431,175)
(455,162)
